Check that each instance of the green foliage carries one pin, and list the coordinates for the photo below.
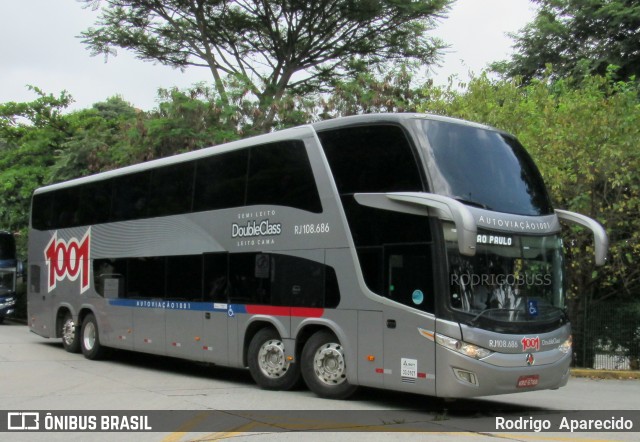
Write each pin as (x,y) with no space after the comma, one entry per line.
(276,47)
(29,135)
(579,38)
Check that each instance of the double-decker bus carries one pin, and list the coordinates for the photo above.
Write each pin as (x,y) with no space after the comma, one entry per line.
(8,274)
(399,251)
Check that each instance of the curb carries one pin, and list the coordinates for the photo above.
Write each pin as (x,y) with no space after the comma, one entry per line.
(605,374)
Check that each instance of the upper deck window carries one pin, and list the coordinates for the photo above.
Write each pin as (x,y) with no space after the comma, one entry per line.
(276,173)
(371,159)
(485,168)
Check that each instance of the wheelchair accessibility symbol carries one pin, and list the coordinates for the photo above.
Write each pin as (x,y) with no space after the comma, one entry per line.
(532,307)
(230,312)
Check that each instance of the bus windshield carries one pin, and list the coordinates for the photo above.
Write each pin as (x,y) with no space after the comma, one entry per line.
(512,280)
(7,246)
(484,168)
(7,281)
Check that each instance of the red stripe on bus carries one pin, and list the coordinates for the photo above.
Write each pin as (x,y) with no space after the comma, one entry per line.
(307,312)
(301,312)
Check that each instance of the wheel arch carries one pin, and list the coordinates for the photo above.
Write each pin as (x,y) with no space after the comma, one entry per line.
(257,324)
(61,313)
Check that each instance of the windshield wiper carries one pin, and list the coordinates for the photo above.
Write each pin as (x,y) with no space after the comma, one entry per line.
(473,322)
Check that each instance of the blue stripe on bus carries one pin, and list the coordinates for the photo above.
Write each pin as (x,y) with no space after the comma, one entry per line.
(229,309)
(170,305)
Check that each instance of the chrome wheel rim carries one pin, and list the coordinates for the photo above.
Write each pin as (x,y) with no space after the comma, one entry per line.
(271,359)
(89,336)
(329,364)
(68,331)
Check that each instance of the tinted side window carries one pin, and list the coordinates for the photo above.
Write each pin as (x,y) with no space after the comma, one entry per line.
(72,206)
(221,181)
(171,190)
(394,250)
(66,207)
(249,278)
(130,197)
(246,278)
(371,159)
(373,227)
(146,278)
(280,174)
(95,199)
(42,211)
(261,278)
(216,284)
(297,282)
(184,277)
(171,277)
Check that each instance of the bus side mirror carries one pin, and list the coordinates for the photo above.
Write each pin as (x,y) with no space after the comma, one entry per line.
(601,240)
(425,204)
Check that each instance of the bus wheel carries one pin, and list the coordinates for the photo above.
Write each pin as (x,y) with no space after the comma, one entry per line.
(90,342)
(70,334)
(324,368)
(268,363)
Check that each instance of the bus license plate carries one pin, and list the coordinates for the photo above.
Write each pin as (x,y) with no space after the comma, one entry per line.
(528,381)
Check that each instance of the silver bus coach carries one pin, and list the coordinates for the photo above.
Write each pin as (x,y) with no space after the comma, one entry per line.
(400,251)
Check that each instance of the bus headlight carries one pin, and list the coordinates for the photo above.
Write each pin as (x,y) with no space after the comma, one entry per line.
(470,350)
(565,347)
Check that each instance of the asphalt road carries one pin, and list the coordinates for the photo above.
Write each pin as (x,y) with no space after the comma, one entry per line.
(37,374)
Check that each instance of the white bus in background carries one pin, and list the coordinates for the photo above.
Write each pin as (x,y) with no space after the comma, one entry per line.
(398,251)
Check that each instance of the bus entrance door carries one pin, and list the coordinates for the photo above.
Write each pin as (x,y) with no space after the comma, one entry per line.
(408,350)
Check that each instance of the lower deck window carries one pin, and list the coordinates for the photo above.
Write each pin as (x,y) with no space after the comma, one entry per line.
(243,278)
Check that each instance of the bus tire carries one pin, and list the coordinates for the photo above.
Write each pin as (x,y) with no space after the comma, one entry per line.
(324,367)
(70,333)
(268,362)
(90,339)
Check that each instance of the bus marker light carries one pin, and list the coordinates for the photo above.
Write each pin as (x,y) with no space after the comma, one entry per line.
(289,358)
(197,338)
(371,358)
(426,333)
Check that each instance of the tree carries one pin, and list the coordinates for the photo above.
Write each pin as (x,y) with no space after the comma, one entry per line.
(94,140)
(30,133)
(272,47)
(578,37)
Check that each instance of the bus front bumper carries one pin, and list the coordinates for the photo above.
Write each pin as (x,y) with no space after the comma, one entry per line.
(460,376)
